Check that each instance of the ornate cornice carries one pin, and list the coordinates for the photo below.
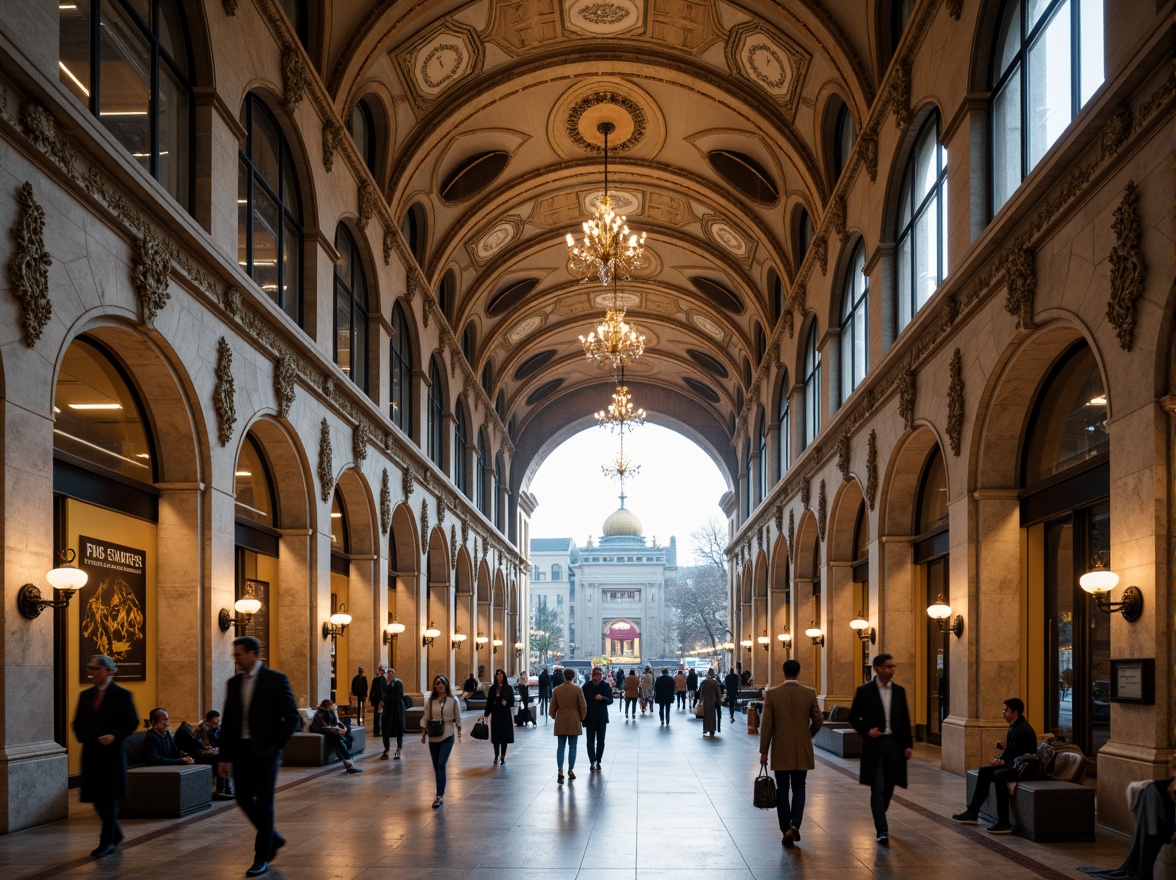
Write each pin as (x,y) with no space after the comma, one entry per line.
(28,270)
(293,77)
(332,137)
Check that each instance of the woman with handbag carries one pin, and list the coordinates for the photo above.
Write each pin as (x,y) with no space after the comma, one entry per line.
(499,700)
(568,708)
(441,721)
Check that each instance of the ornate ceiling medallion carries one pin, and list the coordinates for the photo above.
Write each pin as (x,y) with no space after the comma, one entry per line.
(440,58)
(707,326)
(766,58)
(726,236)
(603,18)
(498,236)
(573,128)
(524,328)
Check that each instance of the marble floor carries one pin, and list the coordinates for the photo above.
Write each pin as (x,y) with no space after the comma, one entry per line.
(669,804)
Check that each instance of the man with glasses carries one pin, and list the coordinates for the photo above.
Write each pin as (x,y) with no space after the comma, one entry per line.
(598,695)
(1021,740)
(879,714)
(104,717)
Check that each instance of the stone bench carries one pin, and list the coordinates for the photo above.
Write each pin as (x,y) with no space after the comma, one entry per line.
(412,719)
(306,749)
(170,791)
(1044,809)
(840,739)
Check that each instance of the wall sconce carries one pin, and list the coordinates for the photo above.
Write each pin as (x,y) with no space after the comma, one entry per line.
(337,623)
(480,641)
(518,649)
(728,646)
(431,633)
(786,640)
(862,627)
(814,633)
(65,580)
(245,607)
(1099,582)
(497,643)
(746,643)
(764,641)
(940,612)
(458,638)
(392,631)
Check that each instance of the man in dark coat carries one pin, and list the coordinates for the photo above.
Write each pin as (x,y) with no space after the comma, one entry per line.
(692,686)
(260,716)
(376,698)
(663,695)
(544,692)
(879,713)
(599,696)
(731,683)
(1021,740)
(104,717)
(359,690)
(392,722)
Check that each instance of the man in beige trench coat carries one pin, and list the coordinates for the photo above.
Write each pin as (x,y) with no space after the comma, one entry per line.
(790,721)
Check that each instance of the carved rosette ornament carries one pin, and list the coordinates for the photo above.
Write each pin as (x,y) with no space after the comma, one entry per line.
(407,482)
(955,403)
(359,440)
(898,92)
(367,204)
(872,468)
(42,131)
(385,503)
(28,269)
(791,536)
(822,510)
(843,455)
(907,390)
(224,398)
(1128,270)
(1114,133)
(837,215)
(293,78)
(424,524)
(152,268)
(868,144)
(1021,284)
(285,387)
(326,467)
(332,136)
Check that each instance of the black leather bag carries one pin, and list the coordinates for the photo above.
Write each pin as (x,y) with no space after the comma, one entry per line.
(481,730)
(764,795)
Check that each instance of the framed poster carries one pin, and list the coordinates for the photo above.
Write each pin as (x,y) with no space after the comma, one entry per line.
(1134,681)
(114,606)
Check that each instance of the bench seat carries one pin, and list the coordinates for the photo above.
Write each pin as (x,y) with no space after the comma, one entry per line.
(1044,809)
(412,719)
(305,749)
(171,791)
(840,739)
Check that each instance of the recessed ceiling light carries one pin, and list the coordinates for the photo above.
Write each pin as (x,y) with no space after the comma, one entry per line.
(95,406)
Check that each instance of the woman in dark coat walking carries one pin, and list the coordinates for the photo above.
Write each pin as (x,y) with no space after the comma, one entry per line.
(392,723)
(499,700)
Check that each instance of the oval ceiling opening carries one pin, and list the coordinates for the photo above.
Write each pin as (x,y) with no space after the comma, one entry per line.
(544,390)
(746,175)
(708,363)
(510,296)
(701,389)
(534,364)
(473,175)
(718,295)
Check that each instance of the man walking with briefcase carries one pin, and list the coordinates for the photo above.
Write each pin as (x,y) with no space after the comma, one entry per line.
(791,720)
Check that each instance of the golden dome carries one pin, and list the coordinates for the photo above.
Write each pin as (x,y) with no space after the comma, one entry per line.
(622,522)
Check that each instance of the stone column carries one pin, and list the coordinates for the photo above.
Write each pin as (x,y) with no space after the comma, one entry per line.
(843,648)
(295,621)
(367,624)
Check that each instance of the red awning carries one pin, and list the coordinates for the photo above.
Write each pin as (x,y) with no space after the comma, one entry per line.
(622,632)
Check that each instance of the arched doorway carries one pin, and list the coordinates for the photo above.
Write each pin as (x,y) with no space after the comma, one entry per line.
(931,545)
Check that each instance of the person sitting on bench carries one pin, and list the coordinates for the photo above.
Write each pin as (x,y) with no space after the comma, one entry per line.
(339,737)
(161,745)
(1021,740)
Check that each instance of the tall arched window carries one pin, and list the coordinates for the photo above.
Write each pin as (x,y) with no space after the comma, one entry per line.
(482,476)
(412,227)
(130,63)
(269,210)
(446,294)
(844,135)
(400,358)
(804,235)
(762,485)
(556,572)
(783,429)
(922,223)
(362,126)
(461,478)
(749,487)
(436,416)
(1047,61)
(299,14)
(351,314)
(854,323)
(498,516)
(812,386)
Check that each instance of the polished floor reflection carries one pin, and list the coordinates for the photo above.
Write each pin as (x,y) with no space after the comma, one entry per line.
(668,804)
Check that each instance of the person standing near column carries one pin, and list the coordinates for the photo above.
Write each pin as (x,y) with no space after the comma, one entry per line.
(790,721)
(598,695)
(391,713)
(376,698)
(260,716)
(359,690)
(879,713)
(104,717)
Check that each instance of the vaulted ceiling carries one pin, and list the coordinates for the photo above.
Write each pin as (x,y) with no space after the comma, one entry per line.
(488,113)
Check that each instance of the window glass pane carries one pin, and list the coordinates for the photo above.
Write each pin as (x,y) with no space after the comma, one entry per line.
(933,496)
(1070,423)
(174,116)
(343,246)
(1006,141)
(251,486)
(1090,48)
(74,49)
(806,233)
(171,35)
(1008,39)
(126,83)
(342,328)
(292,270)
(904,282)
(859,345)
(1035,10)
(290,185)
(941,270)
(361,132)
(925,167)
(924,240)
(243,177)
(1049,84)
(265,243)
(359,364)
(266,146)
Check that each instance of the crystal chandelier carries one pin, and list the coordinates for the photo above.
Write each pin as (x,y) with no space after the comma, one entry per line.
(614,342)
(608,248)
(621,414)
(620,468)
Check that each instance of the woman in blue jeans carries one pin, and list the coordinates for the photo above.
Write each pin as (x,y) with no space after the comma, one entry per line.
(442,708)
(568,708)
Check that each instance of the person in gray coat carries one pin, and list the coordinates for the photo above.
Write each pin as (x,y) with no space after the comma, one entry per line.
(790,720)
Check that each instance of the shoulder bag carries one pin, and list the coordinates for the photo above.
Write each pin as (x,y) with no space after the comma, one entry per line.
(437,728)
(481,730)
(764,795)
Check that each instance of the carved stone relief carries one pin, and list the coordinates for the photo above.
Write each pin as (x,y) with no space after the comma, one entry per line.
(837,215)
(821,247)
(441,510)
(389,245)
(779,514)
(359,440)
(385,503)
(293,78)
(955,403)
(954,8)
(152,268)
(424,524)
(231,300)
(29,267)
(868,144)
(224,397)
(907,390)
(1116,130)
(791,537)
(1021,284)
(332,137)
(843,455)
(872,468)
(822,510)
(453,546)
(407,482)
(285,388)
(367,204)
(326,466)
(898,93)
(805,492)
(230,7)
(42,131)
(1128,270)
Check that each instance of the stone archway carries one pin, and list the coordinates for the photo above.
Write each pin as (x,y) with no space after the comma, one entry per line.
(404,597)
(360,588)
(780,604)
(465,614)
(807,599)
(844,657)
(439,605)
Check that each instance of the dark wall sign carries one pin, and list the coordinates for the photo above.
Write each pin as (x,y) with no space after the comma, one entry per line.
(114,606)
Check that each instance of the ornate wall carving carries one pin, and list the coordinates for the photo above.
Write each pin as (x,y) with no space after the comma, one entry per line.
(821,248)
(389,246)
(1021,283)
(367,204)
(28,270)
(326,467)
(332,137)
(453,546)
(872,468)
(407,482)
(805,491)
(955,403)
(837,215)
(224,398)
(285,384)
(424,524)
(293,78)
(955,8)
(898,93)
(791,536)
(359,440)
(1128,270)
(907,391)
(230,7)
(385,503)
(441,505)
(231,300)
(843,455)
(868,144)
(822,510)
(151,271)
